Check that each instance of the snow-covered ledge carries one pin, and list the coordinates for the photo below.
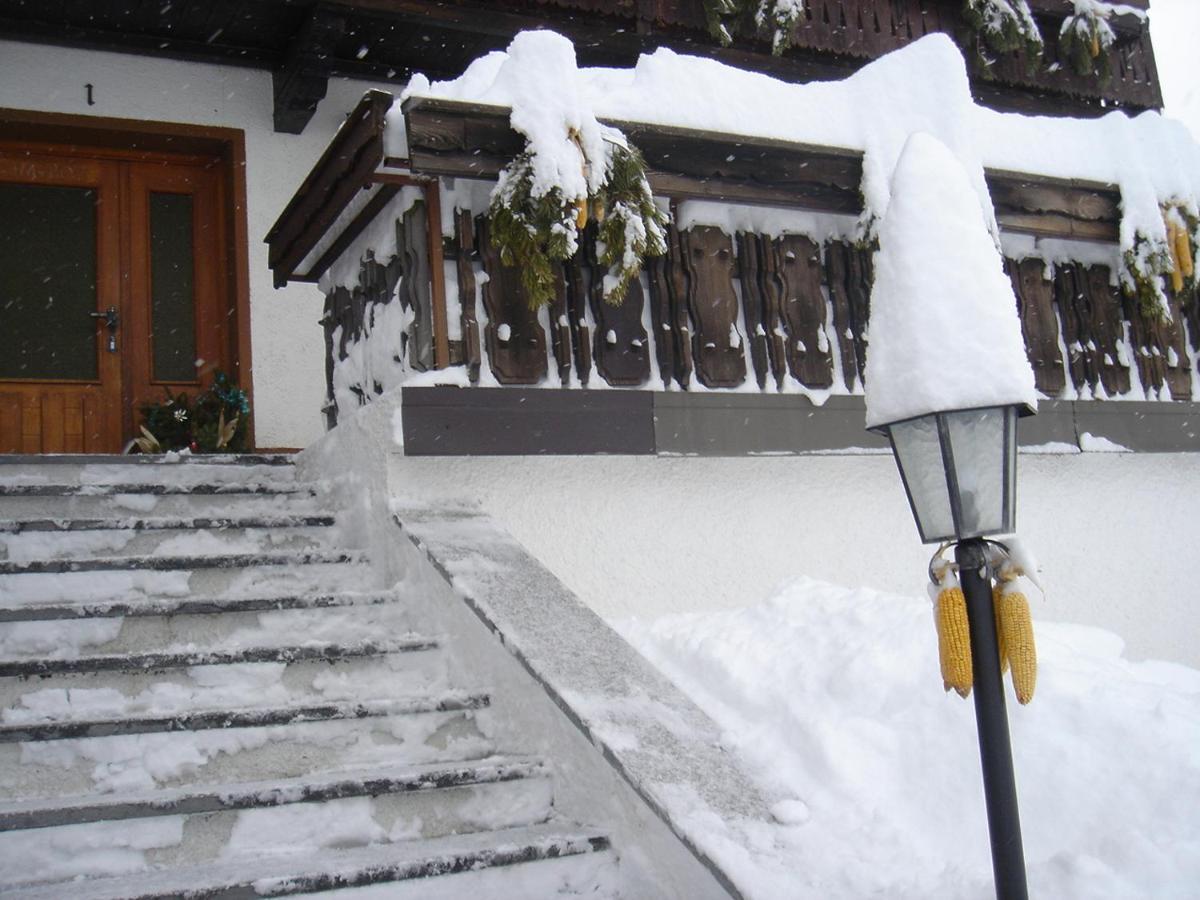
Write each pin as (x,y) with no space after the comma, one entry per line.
(631,753)
(661,743)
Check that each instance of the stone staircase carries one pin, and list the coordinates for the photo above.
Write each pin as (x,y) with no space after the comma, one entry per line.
(203,695)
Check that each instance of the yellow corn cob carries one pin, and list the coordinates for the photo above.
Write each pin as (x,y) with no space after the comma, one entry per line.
(1173,248)
(597,211)
(1183,251)
(954,640)
(1095,42)
(996,592)
(580,214)
(1015,632)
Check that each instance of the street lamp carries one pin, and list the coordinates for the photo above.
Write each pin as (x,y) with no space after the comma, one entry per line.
(947,378)
(959,469)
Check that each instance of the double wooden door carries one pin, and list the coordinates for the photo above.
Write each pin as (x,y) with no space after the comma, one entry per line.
(113,290)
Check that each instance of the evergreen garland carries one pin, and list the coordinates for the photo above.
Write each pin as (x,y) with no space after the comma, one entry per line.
(779,17)
(532,232)
(1150,263)
(631,226)
(1085,39)
(776,18)
(1005,26)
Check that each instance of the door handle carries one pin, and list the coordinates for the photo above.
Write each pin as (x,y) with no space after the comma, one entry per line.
(111,320)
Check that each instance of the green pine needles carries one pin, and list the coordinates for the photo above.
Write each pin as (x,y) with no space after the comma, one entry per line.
(1005,26)
(775,19)
(1085,39)
(534,231)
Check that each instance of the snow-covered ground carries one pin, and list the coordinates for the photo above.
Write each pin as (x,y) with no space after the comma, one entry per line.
(833,699)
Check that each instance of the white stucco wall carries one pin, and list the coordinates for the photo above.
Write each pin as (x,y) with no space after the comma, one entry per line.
(286,342)
(644,536)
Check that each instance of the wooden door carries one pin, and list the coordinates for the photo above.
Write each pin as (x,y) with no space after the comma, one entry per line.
(113,292)
(60,385)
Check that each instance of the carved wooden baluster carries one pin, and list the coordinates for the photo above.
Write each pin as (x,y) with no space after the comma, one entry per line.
(717,343)
(862,274)
(1107,330)
(328,323)
(1035,305)
(839,275)
(1150,363)
(464,229)
(677,286)
(750,271)
(581,332)
(414,250)
(1074,324)
(660,317)
(560,328)
(1174,350)
(515,341)
(808,351)
(622,357)
(773,300)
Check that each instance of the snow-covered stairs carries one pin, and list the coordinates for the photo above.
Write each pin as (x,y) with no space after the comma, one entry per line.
(201,693)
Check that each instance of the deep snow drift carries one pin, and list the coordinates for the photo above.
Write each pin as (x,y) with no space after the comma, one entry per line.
(833,698)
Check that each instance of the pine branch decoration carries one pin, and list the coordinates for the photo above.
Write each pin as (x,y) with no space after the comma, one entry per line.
(1005,26)
(1085,39)
(533,232)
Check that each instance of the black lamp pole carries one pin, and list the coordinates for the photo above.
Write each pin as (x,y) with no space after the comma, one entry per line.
(995,749)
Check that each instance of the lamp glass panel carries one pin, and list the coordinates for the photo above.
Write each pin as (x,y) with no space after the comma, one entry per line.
(978,442)
(919,453)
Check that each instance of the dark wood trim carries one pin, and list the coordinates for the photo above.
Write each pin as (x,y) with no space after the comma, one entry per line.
(347,166)
(374,206)
(437,275)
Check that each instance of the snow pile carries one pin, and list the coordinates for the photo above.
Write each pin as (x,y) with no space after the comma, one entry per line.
(944,327)
(537,76)
(833,698)
(922,87)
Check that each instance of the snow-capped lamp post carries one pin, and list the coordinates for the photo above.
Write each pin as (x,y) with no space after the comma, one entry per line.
(946,380)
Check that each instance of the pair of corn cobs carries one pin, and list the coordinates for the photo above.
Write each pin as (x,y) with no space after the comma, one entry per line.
(1014,632)
(1179,242)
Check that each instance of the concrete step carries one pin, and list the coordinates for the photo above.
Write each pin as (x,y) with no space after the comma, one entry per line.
(543,860)
(75,469)
(310,788)
(138,585)
(183,658)
(101,503)
(77,696)
(189,606)
(137,635)
(40,546)
(376,805)
(411,732)
(196,487)
(313,709)
(134,523)
(181,561)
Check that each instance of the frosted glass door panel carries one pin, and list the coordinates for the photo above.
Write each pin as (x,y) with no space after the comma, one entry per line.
(172,287)
(47,282)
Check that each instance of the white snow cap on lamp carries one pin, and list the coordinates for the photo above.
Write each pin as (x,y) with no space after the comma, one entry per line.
(944,331)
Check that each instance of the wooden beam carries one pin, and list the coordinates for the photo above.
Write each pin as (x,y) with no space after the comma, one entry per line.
(356,226)
(299,82)
(471,140)
(1055,207)
(437,275)
(347,165)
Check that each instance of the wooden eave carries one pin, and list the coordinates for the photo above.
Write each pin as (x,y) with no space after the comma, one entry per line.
(306,42)
(448,138)
(345,168)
